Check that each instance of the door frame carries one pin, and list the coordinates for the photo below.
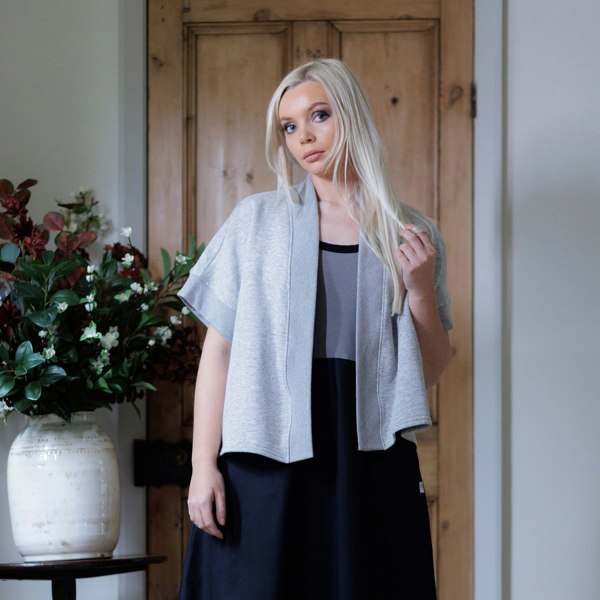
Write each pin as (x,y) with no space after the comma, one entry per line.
(491,311)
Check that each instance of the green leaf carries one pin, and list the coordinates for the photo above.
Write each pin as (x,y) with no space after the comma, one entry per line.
(9,253)
(166,262)
(32,360)
(43,318)
(68,296)
(146,276)
(22,405)
(144,385)
(20,371)
(4,351)
(64,267)
(102,385)
(52,374)
(149,320)
(111,269)
(32,295)
(34,271)
(120,283)
(116,388)
(24,350)
(7,383)
(33,391)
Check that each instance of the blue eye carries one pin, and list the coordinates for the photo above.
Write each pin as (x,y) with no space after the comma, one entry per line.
(289,128)
(321,115)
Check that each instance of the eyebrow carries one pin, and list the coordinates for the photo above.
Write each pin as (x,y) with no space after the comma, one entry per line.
(311,107)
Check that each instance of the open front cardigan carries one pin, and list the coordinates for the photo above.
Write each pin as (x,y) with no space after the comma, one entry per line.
(256,285)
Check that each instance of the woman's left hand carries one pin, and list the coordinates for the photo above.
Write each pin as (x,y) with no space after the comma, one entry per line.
(416,256)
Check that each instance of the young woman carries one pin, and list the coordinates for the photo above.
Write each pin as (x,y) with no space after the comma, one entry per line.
(327,316)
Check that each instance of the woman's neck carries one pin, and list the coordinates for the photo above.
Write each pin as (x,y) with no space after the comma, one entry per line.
(327,191)
(336,223)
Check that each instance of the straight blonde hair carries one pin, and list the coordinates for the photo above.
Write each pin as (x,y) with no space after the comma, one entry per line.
(357,160)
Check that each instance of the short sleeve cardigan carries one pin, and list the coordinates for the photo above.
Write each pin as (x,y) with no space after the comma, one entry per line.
(255,283)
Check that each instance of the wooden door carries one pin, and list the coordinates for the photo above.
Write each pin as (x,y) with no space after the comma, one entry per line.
(212,69)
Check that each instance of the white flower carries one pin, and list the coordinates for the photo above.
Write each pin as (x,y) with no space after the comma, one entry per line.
(126,232)
(151,342)
(5,410)
(164,333)
(127,260)
(61,307)
(42,333)
(144,307)
(91,269)
(90,333)
(49,352)
(175,320)
(97,365)
(136,288)
(150,287)
(89,278)
(90,305)
(110,339)
(182,259)
(102,361)
(123,296)
(185,311)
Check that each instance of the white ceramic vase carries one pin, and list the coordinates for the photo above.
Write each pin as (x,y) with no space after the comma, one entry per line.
(63,489)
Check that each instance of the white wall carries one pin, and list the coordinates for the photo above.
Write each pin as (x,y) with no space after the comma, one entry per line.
(553,288)
(72,76)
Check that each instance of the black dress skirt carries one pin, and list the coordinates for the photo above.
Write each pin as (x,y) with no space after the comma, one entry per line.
(343,525)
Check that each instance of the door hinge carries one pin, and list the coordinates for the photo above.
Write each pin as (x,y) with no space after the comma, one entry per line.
(473,100)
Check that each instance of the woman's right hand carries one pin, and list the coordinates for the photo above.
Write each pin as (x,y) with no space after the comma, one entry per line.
(206,498)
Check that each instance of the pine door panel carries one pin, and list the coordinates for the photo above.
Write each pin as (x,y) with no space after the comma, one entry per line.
(230,74)
(396,62)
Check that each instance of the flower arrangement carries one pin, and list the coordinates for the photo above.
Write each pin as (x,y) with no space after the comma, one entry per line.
(75,335)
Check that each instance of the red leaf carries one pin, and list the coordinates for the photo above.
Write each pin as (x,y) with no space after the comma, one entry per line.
(86,238)
(27,184)
(6,188)
(6,231)
(66,242)
(54,221)
(23,197)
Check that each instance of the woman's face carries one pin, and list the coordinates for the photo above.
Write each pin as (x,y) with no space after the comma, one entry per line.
(309,126)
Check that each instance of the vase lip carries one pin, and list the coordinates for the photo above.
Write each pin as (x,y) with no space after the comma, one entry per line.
(80,415)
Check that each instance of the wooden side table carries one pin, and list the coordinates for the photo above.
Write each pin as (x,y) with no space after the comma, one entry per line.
(64,573)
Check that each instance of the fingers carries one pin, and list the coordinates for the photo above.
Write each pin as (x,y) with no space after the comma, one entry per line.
(414,233)
(208,523)
(202,513)
(417,246)
(220,507)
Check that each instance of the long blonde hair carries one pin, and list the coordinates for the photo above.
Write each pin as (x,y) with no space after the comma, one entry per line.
(357,150)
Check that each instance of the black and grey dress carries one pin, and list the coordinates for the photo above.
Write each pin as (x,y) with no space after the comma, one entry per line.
(344,525)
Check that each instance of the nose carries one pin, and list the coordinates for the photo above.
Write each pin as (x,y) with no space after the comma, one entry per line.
(306,135)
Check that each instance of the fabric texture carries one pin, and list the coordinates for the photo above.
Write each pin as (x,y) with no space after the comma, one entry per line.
(256,284)
(344,525)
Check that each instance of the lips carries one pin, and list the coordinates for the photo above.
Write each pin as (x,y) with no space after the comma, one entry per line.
(313,155)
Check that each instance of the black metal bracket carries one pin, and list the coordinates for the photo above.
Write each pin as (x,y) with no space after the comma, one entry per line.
(157,463)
